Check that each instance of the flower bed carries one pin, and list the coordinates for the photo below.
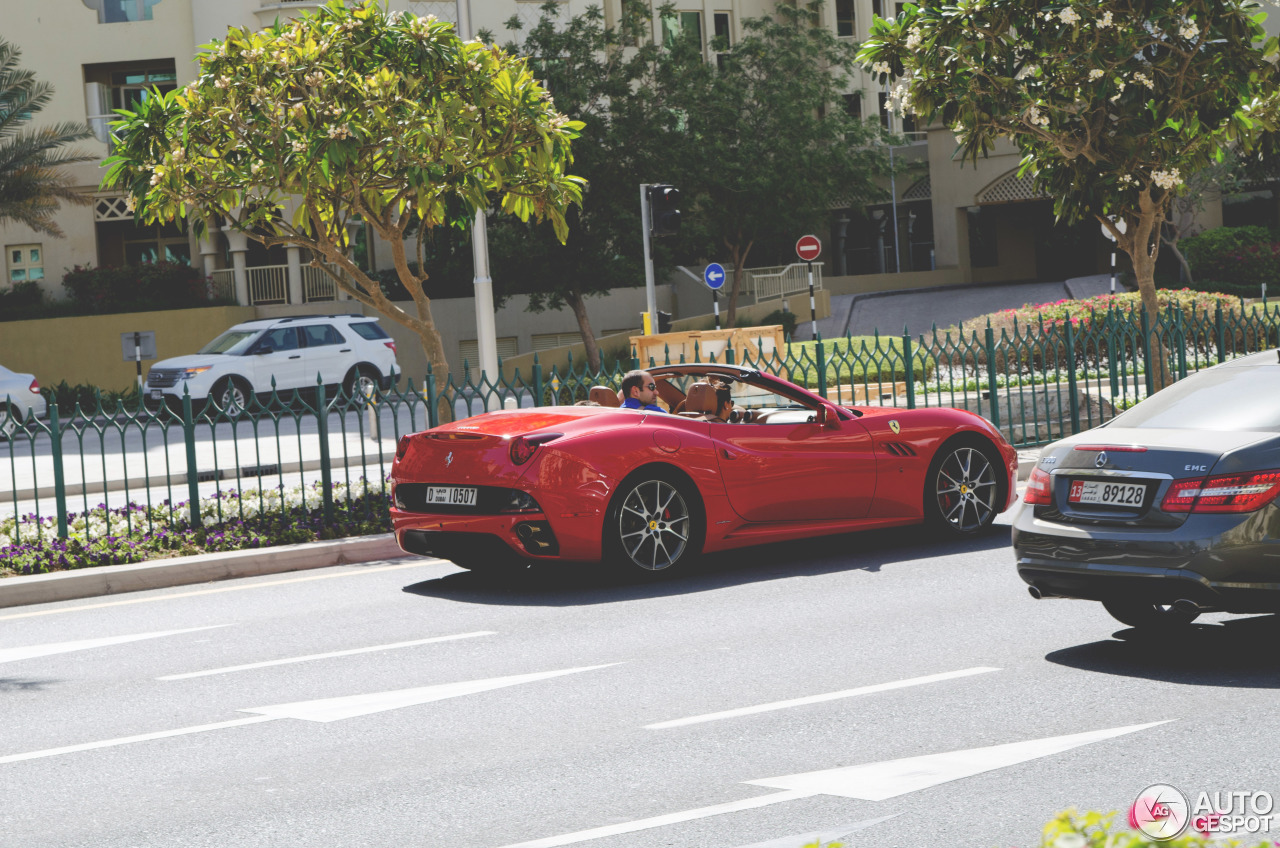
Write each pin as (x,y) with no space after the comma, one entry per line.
(233,520)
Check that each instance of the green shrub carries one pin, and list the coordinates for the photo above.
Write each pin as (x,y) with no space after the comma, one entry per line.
(91,399)
(1241,255)
(854,359)
(787,319)
(140,288)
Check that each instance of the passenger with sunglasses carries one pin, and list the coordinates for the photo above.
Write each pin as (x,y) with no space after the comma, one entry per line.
(639,391)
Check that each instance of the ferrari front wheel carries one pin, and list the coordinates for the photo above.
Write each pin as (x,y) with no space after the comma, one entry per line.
(962,490)
(653,524)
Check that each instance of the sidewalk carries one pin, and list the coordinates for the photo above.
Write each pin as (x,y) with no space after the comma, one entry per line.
(184,571)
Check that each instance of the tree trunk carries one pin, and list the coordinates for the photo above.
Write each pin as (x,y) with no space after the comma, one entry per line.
(579,307)
(1142,243)
(738,255)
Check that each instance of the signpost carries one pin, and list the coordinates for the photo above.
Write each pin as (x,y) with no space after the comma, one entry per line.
(1121,226)
(136,347)
(809,248)
(713,276)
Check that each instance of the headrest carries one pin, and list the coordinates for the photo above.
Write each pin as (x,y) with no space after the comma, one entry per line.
(701,398)
(604,396)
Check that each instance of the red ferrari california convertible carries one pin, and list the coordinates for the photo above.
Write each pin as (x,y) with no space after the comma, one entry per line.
(650,491)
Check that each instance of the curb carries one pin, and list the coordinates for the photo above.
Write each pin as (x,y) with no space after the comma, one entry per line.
(184,571)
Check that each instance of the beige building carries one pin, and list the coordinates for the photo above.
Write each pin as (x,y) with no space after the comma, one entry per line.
(945,225)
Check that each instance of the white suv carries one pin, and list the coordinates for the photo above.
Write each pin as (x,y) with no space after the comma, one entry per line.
(350,351)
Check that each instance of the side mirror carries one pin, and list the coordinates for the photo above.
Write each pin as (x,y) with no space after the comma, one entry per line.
(261,349)
(827,417)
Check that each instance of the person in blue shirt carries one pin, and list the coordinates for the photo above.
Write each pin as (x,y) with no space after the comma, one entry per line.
(639,391)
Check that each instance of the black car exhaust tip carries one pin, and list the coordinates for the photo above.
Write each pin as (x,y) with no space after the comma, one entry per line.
(1184,605)
(1035,593)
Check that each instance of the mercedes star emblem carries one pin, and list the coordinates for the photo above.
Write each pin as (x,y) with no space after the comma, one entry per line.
(1101,460)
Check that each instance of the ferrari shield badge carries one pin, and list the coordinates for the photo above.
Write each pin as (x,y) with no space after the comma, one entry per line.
(895,426)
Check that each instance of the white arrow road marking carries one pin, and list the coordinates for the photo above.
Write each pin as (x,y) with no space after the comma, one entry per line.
(878,781)
(330,655)
(659,821)
(32,651)
(817,699)
(336,709)
(822,838)
(871,782)
(330,709)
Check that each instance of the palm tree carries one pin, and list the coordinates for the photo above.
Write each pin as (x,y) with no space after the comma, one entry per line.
(32,183)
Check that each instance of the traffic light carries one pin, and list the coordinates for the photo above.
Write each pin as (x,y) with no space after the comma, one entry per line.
(664,217)
(664,318)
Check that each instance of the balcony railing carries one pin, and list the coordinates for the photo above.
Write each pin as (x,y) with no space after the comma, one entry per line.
(780,281)
(317,285)
(270,284)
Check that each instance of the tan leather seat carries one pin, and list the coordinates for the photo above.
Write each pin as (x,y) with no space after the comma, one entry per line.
(700,402)
(604,396)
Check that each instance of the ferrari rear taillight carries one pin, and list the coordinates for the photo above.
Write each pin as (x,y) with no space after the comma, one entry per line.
(1224,493)
(523,447)
(1039,488)
(402,447)
(34,388)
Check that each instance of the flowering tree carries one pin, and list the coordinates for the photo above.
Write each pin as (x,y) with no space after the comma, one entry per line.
(1112,103)
(292,134)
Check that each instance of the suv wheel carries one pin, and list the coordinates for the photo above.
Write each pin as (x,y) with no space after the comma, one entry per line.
(362,382)
(9,422)
(231,396)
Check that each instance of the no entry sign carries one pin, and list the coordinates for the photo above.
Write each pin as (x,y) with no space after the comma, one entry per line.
(808,248)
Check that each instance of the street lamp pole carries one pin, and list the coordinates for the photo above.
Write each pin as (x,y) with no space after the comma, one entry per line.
(486,331)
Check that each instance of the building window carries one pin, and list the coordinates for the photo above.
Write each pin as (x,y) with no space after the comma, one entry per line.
(721,37)
(845,24)
(470,355)
(680,25)
(26,262)
(121,11)
(853,105)
(877,8)
(111,87)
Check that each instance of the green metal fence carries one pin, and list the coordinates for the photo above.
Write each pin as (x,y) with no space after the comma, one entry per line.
(89,485)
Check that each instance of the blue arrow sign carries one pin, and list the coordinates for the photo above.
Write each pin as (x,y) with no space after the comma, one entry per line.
(713,276)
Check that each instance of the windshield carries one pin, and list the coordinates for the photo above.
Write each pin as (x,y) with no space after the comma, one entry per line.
(1224,399)
(233,342)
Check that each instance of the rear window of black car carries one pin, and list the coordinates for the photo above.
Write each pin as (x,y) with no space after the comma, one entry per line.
(370,330)
(1222,399)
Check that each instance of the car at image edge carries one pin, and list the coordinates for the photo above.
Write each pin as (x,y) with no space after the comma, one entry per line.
(19,398)
(1168,510)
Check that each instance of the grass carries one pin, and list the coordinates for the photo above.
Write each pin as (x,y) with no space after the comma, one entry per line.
(857,359)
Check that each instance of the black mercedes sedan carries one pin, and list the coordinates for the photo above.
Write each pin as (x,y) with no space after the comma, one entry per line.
(1168,510)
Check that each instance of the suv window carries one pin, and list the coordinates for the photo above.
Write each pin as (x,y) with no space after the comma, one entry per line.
(229,342)
(281,338)
(370,330)
(318,335)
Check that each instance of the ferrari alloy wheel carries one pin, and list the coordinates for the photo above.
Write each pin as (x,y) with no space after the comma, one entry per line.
(963,490)
(1150,616)
(653,524)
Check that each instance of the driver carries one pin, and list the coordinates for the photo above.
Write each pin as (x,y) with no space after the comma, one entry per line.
(639,391)
(724,403)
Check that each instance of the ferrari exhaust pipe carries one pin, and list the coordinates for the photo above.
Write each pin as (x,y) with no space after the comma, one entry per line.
(1186,606)
(1035,593)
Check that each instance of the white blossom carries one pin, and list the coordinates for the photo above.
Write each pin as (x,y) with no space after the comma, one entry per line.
(1166,180)
(914,40)
(1105,20)
(1144,79)
(299,146)
(1189,31)
(339,131)
(1096,73)
(221,82)
(881,68)
(1068,16)
(1035,117)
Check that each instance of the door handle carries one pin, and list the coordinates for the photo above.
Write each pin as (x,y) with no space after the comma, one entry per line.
(345,350)
(296,356)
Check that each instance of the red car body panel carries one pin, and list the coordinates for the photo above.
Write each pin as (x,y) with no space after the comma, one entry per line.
(757,483)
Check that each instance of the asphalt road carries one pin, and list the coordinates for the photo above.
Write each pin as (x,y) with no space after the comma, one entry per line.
(563,703)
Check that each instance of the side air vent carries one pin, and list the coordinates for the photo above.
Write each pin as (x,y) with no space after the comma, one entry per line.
(899,449)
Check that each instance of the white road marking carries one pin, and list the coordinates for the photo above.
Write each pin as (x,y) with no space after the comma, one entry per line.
(659,821)
(336,709)
(32,651)
(127,740)
(330,655)
(817,699)
(330,709)
(822,838)
(871,782)
(889,779)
